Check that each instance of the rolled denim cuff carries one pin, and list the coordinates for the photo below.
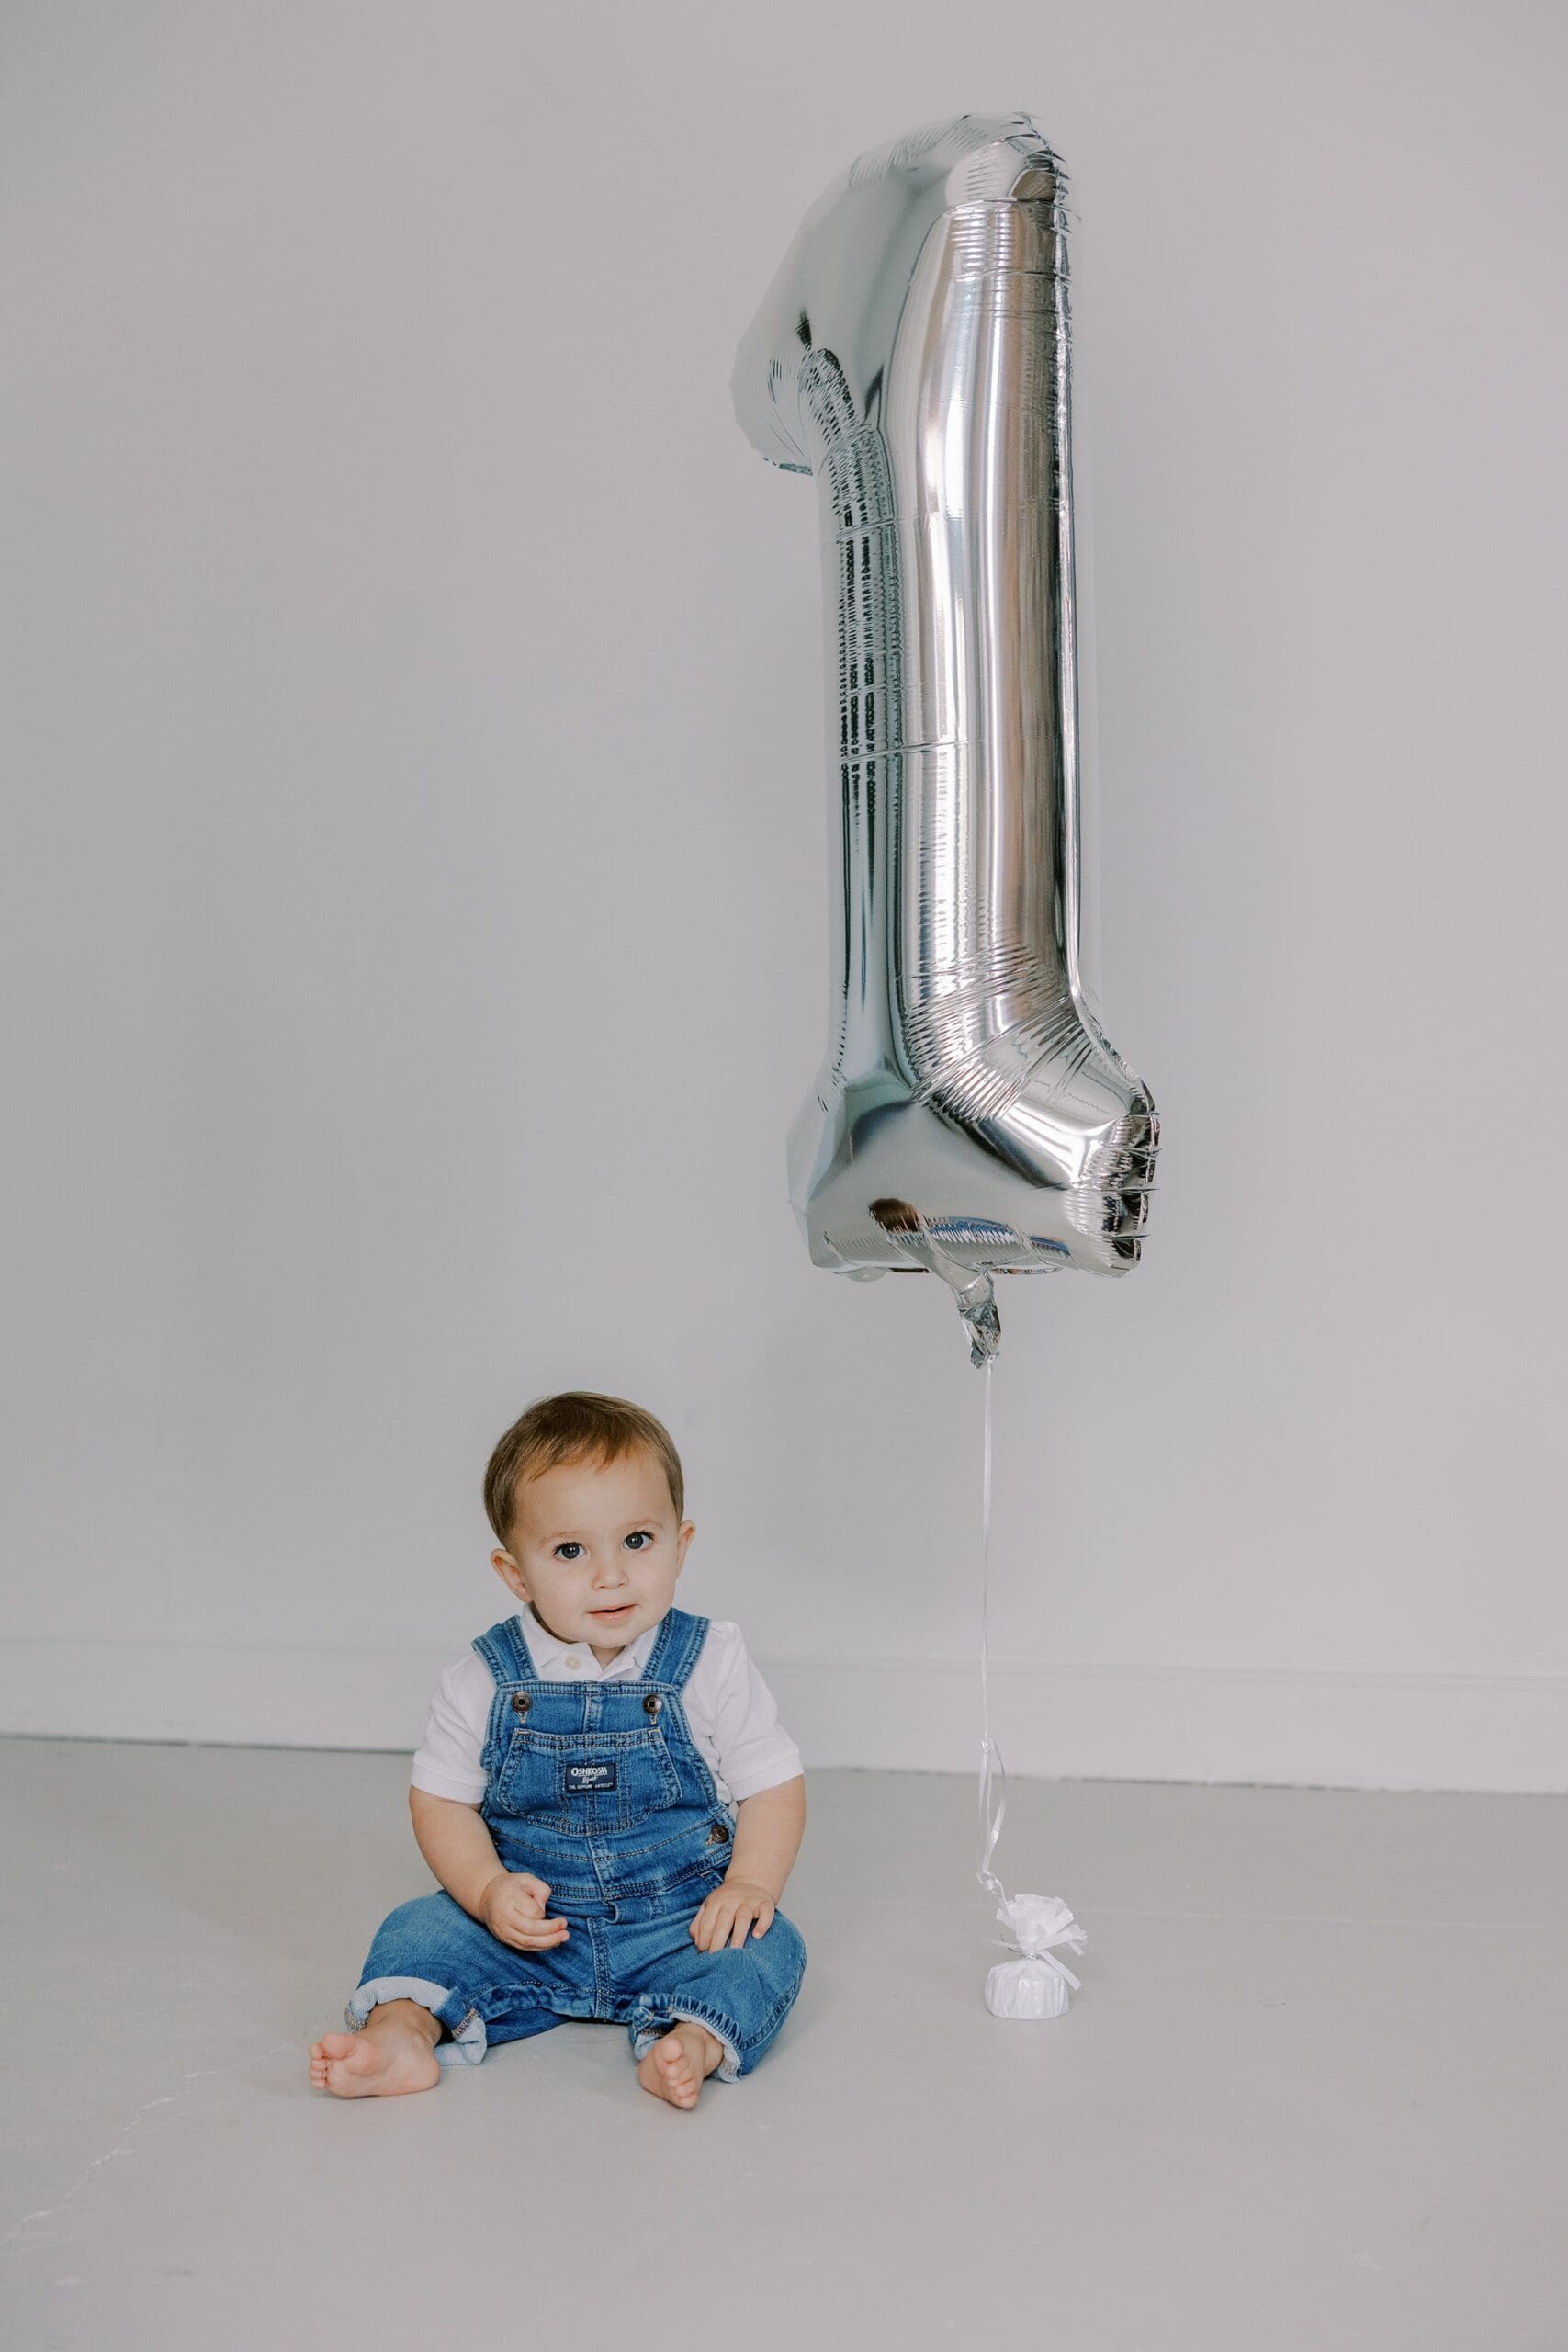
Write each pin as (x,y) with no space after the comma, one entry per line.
(466,2028)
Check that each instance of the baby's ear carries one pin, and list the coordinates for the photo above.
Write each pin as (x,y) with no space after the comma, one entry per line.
(509,1572)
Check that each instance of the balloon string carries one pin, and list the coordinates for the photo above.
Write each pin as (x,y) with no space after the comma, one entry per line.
(990,1828)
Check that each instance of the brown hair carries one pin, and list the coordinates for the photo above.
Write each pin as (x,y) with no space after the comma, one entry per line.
(574,1426)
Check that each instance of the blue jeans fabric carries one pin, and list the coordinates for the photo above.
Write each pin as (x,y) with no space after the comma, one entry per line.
(600,1790)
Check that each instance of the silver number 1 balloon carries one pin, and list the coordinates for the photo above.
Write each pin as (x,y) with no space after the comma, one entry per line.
(970,1118)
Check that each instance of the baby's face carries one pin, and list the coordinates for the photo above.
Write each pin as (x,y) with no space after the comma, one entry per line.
(596,1549)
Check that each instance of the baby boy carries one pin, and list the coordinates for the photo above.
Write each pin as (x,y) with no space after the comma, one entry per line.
(603,1791)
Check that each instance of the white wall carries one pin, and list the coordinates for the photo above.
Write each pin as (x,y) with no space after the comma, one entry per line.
(417,848)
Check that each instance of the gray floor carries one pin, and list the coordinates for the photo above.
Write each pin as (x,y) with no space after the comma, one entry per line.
(1310,2096)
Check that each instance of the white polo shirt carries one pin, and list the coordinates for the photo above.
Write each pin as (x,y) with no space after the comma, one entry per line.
(734,1720)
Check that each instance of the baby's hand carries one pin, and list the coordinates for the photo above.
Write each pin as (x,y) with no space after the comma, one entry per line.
(513,1908)
(729,1911)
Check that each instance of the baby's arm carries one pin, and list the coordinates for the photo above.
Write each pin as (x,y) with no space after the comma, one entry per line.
(461,1853)
(768,1831)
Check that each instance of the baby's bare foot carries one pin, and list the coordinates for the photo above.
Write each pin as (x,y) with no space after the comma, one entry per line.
(391,2052)
(674,2067)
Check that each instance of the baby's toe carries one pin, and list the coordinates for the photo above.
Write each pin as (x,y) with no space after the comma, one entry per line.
(321,2058)
(675,2064)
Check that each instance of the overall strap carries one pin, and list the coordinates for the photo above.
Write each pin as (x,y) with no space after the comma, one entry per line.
(505,1652)
(677,1649)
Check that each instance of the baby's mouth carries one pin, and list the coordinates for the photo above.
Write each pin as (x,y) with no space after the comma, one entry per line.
(624,1608)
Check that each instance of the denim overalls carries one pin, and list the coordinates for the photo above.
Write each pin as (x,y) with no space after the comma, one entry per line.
(599,1789)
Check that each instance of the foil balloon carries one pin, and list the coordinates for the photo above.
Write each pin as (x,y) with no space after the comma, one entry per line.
(970,1118)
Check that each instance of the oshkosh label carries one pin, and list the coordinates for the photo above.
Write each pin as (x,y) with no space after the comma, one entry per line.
(590,1776)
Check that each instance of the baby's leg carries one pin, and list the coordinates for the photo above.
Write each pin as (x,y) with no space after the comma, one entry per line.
(433,1971)
(719,2009)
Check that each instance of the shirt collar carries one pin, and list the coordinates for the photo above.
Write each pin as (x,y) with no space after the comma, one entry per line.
(547,1650)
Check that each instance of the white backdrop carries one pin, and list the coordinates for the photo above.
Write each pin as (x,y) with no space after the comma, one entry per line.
(417,936)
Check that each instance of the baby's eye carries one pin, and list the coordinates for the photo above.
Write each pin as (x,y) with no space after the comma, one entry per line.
(568,1551)
(640,1541)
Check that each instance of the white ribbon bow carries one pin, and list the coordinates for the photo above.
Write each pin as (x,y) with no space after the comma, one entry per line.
(1035,1923)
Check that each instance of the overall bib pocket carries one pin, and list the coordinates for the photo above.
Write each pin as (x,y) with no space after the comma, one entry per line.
(594,1782)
